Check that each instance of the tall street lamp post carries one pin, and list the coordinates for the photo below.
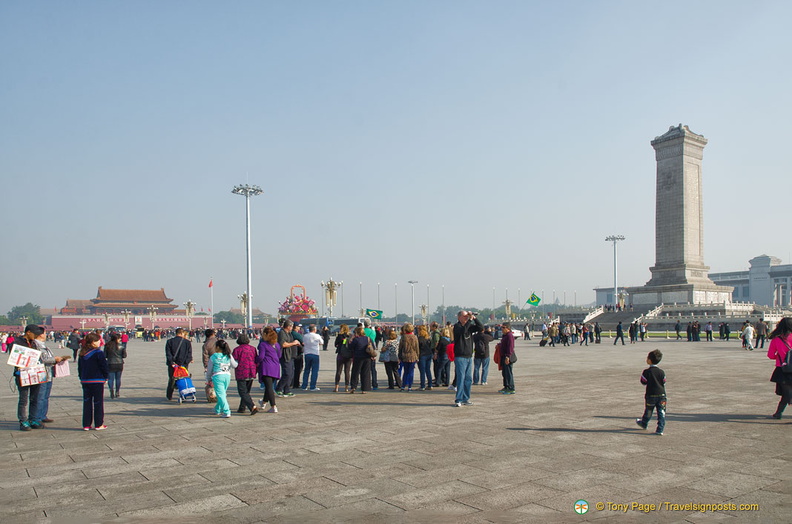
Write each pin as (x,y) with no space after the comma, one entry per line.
(396,302)
(412,289)
(248,191)
(615,239)
(331,294)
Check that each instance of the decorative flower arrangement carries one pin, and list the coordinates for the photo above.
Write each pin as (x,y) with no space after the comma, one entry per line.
(297,304)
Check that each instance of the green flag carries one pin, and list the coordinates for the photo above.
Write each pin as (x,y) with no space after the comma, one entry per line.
(534,300)
(374,313)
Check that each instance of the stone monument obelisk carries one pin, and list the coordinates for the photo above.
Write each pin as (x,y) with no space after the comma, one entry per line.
(679,274)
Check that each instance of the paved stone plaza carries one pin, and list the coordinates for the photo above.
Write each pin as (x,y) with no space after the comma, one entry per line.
(568,434)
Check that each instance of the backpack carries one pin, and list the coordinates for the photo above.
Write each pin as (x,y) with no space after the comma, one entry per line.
(786,366)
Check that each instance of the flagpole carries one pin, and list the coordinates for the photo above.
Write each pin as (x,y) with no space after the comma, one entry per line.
(211,300)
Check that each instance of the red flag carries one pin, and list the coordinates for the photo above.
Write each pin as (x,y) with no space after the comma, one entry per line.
(211,284)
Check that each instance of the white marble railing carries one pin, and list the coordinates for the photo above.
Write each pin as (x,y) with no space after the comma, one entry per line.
(593,313)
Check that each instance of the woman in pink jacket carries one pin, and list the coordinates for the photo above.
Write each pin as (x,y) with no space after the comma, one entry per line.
(780,343)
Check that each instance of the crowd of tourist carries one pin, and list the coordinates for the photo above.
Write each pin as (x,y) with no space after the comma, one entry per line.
(280,353)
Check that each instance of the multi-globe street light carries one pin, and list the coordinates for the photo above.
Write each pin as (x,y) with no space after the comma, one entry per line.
(331,294)
(248,191)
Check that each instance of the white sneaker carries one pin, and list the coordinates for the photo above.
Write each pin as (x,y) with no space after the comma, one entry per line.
(273,409)
(226,415)
(452,388)
(483,383)
(458,404)
(315,389)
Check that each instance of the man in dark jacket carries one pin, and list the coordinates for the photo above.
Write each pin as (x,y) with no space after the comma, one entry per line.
(178,352)
(289,350)
(481,356)
(299,355)
(467,325)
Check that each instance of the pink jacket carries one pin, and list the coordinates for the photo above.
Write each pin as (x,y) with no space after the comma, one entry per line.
(778,349)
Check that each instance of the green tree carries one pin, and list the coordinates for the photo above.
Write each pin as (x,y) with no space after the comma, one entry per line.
(29,310)
(229,317)
(4,321)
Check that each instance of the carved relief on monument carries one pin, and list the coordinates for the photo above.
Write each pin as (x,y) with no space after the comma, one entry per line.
(669,152)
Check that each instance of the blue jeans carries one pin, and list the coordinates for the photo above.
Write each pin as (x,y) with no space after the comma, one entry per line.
(287,377)
(482,363)
(114,380)
(42,405)
(312,368)
(425,367)
(651,404)
(464,377)
(508,377)
(25,412)
(407,378)
(443,365)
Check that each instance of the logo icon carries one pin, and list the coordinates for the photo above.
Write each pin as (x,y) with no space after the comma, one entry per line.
(581,507)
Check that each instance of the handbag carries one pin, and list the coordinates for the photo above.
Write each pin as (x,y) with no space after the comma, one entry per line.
(370,349)
(62,369)
(211,396)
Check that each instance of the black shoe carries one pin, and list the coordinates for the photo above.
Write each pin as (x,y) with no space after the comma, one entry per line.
(776,416)
(118,395)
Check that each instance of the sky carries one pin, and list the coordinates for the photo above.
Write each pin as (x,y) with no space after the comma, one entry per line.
(467,145)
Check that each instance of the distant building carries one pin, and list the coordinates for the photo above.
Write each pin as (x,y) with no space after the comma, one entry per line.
(605,295)
(117,301)
(767,282)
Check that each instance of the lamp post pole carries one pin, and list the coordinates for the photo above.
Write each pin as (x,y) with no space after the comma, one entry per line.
(248,191)
(412,289)
(615,239)
(427,304)
(360,300)
(442,291)
(378,295)
(396,302)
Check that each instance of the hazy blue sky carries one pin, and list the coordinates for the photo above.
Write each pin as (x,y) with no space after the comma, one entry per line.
(471,144)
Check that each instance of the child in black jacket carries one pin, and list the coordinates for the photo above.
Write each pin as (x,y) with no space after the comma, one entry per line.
(654,379)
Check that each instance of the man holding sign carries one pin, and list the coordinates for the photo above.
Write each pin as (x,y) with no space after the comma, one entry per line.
(29,393)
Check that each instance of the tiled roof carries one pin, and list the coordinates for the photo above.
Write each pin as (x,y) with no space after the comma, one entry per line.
(71,303)
(139,305)
(131,295)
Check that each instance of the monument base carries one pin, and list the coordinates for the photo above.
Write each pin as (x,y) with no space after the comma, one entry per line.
(680,294)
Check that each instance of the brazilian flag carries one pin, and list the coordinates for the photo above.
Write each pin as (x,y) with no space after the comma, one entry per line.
(373,313)
(534,300)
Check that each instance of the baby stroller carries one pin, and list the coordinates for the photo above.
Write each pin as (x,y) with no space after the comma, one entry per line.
(184,384)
